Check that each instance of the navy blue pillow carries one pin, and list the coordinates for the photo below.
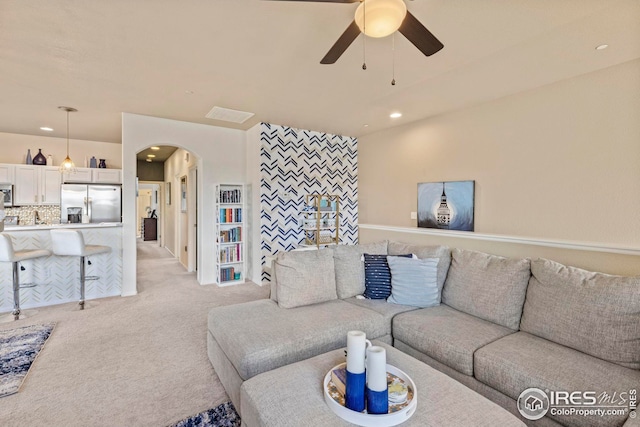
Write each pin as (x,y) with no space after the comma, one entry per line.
(377,276)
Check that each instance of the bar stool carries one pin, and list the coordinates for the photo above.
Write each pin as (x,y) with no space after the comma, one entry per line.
(8,254)
(71,243)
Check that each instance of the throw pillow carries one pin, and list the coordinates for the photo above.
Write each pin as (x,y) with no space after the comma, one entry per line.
(377,276)
(426,251)
(305,278)
(414,281)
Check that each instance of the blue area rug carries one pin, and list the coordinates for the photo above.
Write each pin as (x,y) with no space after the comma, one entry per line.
(18,349)
(224,415)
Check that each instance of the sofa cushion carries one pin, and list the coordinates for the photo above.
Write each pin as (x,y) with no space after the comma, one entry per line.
(386,309)
(595,313)
(521,360)
(305,277)
(426,251)
(377,276)
(414,281)
(350,269)
(487,286)
(447,335)
(259,336)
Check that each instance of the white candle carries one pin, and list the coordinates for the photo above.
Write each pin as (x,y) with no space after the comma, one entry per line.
(356,347)
(376,368)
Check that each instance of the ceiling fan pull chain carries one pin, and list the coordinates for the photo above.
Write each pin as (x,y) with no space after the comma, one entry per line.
(364,36)
(393,59)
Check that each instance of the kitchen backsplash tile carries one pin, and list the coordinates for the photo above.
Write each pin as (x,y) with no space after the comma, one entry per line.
(49,214)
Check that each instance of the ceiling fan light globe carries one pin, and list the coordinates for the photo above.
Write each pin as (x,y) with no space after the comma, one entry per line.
(383,17)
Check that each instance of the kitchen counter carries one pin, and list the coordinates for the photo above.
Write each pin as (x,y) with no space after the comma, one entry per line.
(57,277)
(9,228)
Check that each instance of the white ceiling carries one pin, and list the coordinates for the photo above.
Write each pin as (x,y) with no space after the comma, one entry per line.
(141,56)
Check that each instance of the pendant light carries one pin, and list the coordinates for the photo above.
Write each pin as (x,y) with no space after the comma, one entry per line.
(67,165)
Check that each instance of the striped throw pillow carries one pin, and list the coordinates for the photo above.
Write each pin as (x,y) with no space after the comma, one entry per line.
(414,282)
(377,276)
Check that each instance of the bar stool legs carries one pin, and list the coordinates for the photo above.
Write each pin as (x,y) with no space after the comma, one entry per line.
(8,254)
(16,292)
(71,243)
(83,278)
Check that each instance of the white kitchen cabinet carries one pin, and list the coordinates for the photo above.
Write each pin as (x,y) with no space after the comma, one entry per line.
(25,186)
(7,173)
(80,175)
(95,175)
(50,186)
(107,176)
(36,185)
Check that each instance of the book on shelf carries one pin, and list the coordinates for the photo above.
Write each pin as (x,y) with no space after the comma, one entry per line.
(232,235)
(231,253)
(230,215)
(231,196)
(227,274)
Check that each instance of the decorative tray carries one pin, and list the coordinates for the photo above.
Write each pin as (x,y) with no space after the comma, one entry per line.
(398,413)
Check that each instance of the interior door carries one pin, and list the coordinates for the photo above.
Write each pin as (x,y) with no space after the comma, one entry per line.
(192,199)
(184,223)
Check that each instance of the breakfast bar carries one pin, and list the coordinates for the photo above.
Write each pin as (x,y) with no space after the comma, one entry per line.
(56,278)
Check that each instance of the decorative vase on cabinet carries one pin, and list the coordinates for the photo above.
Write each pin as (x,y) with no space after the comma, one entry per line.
(93,163)
(40,159)
(102,164)
(29,160)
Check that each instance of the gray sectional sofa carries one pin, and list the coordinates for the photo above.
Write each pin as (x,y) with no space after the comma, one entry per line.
(503,325)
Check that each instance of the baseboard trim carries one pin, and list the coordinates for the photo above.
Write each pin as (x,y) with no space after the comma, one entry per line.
(563,244)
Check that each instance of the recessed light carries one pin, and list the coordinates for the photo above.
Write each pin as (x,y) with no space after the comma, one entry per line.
(602,46)
(395,115)
(366,126)
(188,92)
(151,155)
(46,128)
(155,148)
(149,160)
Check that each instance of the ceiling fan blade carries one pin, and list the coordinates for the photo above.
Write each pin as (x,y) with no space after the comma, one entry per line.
(345,40)
(417,34)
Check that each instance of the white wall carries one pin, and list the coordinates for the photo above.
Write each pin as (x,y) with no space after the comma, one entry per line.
(221,158)
(14,149)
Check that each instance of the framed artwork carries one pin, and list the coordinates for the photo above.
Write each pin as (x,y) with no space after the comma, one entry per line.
(446,205)
(167,192)
(183,194)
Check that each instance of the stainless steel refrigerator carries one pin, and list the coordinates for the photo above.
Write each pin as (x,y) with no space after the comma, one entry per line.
(101,203)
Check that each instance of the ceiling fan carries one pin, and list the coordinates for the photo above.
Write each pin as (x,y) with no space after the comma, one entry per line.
(381,18)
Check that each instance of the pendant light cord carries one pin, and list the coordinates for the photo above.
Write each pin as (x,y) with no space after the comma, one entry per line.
(67,133)
(393,59)
(364,35)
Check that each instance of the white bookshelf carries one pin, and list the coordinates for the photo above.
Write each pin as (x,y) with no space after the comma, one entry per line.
(320,220)
(230,234)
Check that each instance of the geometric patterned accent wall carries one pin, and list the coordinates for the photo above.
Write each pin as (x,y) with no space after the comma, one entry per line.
(300,162)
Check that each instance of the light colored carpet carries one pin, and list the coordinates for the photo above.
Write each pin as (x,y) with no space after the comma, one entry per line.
(134,361)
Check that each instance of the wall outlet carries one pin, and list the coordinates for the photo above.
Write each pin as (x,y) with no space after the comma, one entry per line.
(414,215)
